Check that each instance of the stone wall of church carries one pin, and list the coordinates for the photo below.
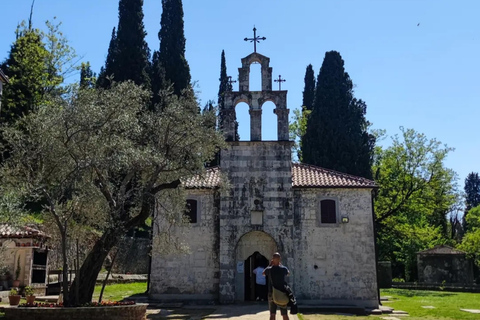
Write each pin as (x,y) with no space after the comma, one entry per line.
(335,263)
(259,198)
(193,275)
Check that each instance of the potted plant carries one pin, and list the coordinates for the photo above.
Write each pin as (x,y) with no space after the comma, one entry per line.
(16,282)
(29,295)
(14,297)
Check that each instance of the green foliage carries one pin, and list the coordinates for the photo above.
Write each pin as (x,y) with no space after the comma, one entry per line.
(37,64)
(471,240)
(87,77)
(13,292)
(225,86)
(337,135)
(298,128)
(128,53)
(99,159)
(106,73)
(27,69)
(309,91)
(472,196)
(170,67)
(416,193)
(29,291)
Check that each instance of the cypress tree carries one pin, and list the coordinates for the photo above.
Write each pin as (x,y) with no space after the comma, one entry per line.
(132,53)
(336,135)
(87,77)
(26,66)
(472,195)
(225,86)
(170,66)
(128,53)
(107,70)
(309,91)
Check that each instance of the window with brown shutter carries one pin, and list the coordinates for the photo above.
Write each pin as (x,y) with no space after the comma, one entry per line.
(328,211)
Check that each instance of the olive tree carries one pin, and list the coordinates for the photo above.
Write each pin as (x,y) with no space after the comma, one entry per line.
(100,160)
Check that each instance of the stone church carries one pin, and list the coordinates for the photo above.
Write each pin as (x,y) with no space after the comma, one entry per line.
(320,220)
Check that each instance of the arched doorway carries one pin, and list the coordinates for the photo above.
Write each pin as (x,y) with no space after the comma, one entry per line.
(252,292)
(251,246)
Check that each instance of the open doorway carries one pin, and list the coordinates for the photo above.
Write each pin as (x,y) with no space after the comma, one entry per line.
(252,290)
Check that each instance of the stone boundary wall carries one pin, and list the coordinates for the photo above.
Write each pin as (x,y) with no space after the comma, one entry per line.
(132,312)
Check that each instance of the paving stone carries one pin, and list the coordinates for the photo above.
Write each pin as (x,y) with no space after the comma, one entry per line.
(386,309)
(476,311)
(390,318)
(376,311)
(428,307)
(385,298)
(398,312)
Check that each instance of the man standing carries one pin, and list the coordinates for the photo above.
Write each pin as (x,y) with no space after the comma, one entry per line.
(260,283)
(276,273)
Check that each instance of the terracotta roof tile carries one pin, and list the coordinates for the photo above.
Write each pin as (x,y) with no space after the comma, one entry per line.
(308,176)
(210,179)
(8,231)
(3,77)
(442,249)
(303,176)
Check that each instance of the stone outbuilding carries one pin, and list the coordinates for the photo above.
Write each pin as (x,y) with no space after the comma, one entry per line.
(24,247)
(444,264)
(320,220)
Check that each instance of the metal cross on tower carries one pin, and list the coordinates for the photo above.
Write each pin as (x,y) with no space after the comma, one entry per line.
(280,80)
(230,81)
(255,39)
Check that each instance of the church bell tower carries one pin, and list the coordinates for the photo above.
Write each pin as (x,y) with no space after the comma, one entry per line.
(256,212)
(255,99)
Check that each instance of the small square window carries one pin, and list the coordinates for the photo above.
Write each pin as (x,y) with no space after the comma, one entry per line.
(191,210)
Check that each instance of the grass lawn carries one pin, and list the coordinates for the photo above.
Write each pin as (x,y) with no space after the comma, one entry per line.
(447,305)
(116,292)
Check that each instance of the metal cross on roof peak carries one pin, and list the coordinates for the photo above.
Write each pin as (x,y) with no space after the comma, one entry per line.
(255,39)
(280,80)
(230,81)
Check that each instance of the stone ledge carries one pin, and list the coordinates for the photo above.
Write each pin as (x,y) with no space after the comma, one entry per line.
(131,312)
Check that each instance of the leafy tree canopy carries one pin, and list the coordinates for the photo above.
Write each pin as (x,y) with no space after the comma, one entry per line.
(336,136)
(101,158)
(416,194)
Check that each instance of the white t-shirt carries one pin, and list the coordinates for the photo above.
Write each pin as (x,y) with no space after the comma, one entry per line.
(260,278)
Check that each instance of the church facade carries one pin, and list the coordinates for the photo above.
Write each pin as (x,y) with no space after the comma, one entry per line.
(321,221)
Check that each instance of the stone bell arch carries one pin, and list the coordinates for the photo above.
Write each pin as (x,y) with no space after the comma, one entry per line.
(255,101)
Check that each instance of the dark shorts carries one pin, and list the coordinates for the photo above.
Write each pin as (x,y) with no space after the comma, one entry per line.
(273,307)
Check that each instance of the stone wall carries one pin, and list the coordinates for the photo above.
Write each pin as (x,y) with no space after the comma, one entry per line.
(335,263)
(193,275)
(451,269)
(260,199)
(132,312)
(133,257)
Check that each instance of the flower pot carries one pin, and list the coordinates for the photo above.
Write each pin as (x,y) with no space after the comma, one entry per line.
(30,300)
(16,283)
(14,300)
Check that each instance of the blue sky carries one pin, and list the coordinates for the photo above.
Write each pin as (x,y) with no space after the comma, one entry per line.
(417,76)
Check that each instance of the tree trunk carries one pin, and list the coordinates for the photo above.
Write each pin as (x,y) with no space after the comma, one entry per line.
(65,268)
(91,267)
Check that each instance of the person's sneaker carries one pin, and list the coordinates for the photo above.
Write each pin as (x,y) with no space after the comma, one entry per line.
(258,298)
